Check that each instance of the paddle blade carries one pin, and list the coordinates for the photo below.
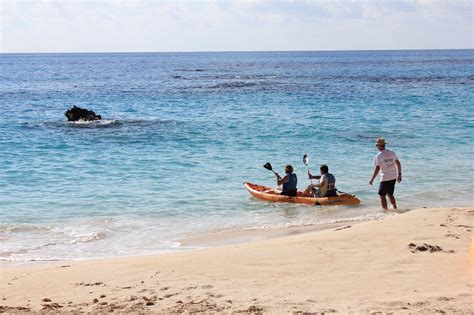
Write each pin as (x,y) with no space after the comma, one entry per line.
(268,166)
(305,159)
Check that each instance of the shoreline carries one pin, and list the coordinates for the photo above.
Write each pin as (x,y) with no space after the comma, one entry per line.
(207,240)
(418,261)
(219,238)
(196,240)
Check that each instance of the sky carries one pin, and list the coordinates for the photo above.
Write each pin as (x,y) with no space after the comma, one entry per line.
(233,25)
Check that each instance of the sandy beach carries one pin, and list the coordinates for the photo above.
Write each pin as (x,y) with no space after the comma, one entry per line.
(418,261)
(140,141)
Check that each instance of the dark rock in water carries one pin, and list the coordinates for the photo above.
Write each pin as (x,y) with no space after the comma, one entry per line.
(77,113)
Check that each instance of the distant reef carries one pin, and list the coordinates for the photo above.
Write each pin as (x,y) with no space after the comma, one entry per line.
(77,113)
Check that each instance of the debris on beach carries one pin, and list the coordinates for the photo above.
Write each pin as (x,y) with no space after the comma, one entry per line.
(427,248)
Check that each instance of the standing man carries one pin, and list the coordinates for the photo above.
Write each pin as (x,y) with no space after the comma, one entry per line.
(387,163)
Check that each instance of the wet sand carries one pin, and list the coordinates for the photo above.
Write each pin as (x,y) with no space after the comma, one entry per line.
(419,261)
(241,236)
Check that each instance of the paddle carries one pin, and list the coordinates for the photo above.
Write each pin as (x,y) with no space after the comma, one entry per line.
(268,166)
(305,161)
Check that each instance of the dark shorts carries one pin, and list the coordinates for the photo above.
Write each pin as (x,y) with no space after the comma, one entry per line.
(387,187)
(289,192)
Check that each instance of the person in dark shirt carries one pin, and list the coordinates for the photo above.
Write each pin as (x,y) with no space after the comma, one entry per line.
(289,182)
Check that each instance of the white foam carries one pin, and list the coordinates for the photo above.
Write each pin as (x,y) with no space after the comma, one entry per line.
(86,238)
(102,122)
(11,228)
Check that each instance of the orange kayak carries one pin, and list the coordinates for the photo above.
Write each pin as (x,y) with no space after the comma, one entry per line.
(260,192)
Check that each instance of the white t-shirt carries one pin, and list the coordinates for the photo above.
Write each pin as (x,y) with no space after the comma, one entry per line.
(323,181)
(388,169)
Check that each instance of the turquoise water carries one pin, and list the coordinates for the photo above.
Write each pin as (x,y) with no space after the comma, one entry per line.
(183,131)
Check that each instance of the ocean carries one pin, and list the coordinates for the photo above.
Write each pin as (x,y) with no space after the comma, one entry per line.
(183,131)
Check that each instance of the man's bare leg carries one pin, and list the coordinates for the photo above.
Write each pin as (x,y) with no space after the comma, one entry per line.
(309,191)
(393,201)
(383,201)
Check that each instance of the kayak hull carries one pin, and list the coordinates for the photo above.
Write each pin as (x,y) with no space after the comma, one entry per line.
(260,192)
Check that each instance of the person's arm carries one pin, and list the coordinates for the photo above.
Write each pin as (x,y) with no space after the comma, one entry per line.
(323,181)
(282,180)
(399,166)
(376,172)
(310,176)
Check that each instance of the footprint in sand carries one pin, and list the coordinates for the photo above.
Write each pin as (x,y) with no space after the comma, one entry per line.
(51,306)
(91,284)
(14,309)
(463,226)
(190,288)
(254,309)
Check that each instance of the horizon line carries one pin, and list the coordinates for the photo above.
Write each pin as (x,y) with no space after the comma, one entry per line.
(230,51)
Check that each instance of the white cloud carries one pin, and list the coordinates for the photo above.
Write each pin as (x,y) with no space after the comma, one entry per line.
(123,25)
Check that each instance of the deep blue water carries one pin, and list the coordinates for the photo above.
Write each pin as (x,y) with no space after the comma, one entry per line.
(183,131)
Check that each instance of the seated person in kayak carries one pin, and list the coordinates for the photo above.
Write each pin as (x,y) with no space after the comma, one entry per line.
(289,182)
(326,186)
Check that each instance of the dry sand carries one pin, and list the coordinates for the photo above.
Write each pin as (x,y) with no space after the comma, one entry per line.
(419,261)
